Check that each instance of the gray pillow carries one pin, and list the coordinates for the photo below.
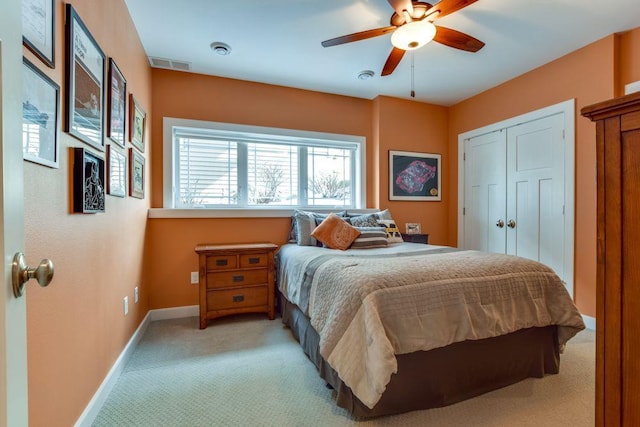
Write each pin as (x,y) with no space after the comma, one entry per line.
(370,237)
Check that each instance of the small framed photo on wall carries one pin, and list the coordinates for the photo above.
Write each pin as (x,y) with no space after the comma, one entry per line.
(117,172)
(38,29)
(136,174)
(414,176)
(116,105)
(137,123)
(39,117)
(85,83)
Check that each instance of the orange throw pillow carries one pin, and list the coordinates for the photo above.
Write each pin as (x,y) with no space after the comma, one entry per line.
(335,233)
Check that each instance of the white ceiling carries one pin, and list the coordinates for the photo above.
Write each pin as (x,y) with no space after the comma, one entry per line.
(278,42)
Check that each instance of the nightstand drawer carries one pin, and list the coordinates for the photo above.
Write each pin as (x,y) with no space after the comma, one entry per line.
(237,298)
(221,262)
(253,260)
(225,279)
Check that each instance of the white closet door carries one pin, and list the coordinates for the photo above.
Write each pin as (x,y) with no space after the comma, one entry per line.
(535,191)
(485,192)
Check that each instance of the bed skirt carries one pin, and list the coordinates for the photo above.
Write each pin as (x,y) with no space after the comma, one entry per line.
(443,376)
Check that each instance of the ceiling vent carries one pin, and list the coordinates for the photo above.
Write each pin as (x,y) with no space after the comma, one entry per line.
(169,63)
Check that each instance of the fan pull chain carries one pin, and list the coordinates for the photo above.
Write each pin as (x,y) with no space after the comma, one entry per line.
(413,92)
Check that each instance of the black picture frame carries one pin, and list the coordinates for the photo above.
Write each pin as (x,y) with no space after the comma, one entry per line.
(116,105)
(85,76)
(136,174)
(116,172)
(38,29)
(137,123)
(88,182)
(40,116)
(414,176)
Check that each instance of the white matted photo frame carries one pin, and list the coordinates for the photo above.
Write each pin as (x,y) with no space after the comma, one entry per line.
(136,174)
(40,111)
(116,172)
(38,29)
(137,123)
(85,76)
(412,228)
(116,105)
(414,176)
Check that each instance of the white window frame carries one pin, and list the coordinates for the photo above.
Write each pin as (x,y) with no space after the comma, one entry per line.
(169,209)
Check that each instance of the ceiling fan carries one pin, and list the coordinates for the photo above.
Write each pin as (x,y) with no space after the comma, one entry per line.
(412,27)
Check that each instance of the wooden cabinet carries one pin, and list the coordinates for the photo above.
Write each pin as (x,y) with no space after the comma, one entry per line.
(618,270)
(236,279)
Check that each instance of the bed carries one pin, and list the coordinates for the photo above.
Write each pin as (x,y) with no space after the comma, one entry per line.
(411,326)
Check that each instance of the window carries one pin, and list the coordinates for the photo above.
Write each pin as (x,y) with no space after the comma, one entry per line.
(217,165)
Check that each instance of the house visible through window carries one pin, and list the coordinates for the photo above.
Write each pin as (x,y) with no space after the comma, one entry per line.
(233,166)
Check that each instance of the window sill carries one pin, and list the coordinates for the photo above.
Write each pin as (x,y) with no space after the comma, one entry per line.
(238,213)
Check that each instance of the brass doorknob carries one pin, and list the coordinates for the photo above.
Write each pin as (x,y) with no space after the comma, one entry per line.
(21,273)
(511,224)
(500,223)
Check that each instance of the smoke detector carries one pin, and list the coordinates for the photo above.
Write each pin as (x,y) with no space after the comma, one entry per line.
(220,48)
(366,74)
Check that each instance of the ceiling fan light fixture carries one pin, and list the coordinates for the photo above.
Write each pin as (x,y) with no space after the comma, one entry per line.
(413,35)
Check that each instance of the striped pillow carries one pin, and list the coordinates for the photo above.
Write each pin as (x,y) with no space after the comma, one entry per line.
(370,237)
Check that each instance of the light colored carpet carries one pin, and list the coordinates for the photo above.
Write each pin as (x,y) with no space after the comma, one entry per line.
(249,371)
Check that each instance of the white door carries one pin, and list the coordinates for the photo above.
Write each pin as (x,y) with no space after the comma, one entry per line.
(535,191)
(13,330)
(485,192)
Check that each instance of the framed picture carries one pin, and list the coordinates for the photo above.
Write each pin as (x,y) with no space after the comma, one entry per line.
(85,83)
(136,174)
(116,104)
(117,172)
(412,228)
(137,123)
(414,176)
(38,29)
(88,182)
(40,110)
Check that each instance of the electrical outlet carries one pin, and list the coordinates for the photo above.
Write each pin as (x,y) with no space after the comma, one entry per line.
(126,305)
(194,278)
(135,295)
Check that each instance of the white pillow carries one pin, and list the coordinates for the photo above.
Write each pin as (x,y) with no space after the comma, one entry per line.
(392,230)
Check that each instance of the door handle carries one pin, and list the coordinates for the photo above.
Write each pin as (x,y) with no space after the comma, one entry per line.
(21,273)
(511,224)
(500,223)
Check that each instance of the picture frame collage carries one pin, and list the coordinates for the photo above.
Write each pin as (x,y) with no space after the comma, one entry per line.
(96,110)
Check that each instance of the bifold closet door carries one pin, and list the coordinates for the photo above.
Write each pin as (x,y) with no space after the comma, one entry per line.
(535,191)
(485,193)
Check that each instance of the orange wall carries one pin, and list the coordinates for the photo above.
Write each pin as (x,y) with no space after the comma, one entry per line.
(588,75)
(629,58)
(386,123)
(76,328)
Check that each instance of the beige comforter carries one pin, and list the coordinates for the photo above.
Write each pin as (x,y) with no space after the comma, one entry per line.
(367,309)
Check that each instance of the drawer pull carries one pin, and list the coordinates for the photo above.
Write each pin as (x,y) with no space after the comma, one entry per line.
(254,260)
(221,262)
(238,278)
(238,298)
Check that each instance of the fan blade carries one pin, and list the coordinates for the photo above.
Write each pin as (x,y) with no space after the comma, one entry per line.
(392,61)
(456,39)
(358,36)
(446,7)
(401,5)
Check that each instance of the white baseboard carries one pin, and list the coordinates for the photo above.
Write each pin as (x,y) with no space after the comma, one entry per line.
(590,322)
(95,404)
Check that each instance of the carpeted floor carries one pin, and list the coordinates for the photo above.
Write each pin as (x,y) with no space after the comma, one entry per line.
(249,371)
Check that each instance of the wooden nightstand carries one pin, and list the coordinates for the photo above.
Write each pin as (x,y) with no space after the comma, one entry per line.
(416,238)
(236,279)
